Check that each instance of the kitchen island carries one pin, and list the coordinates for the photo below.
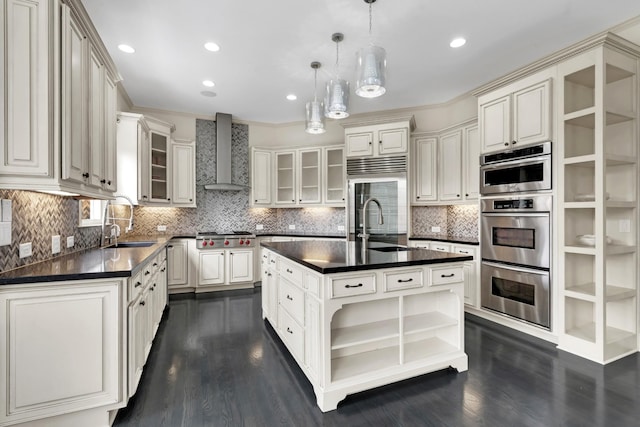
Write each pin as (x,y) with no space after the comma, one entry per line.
(354,320)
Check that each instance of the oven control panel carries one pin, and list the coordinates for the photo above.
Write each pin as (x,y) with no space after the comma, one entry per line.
(513,204)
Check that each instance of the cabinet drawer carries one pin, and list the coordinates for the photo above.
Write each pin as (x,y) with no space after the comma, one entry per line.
(355,285)
(442,247)
(293,334)
(135,286)
(291,298)
(465,251)
(445,276)
(291,272)
(397,280)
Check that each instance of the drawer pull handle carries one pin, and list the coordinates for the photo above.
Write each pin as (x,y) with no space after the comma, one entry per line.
(463,252)
(273,261)
(405,281)
(269,274)
(289,298)
(163,269)
(447,275)
(137,284)
(141,302)
(146,273)
(289,271)
(359,285)
(289,330)
(155,264)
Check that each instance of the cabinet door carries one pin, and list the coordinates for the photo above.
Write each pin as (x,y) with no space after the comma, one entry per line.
(285,178)
(211,268)
(471,163)
(495,124)
(266,276)
(261,177)
(177,263)
(240,266)
(135,357)
(183,157)
(425,187)
(25,58)
(312,336)
(159,167)
(110,130)
(75,136)
(334,176)
(451,159)
(532,114)
(393,141)
(470,273)
(96,119)
(359,144)
(66,336)
(309,176)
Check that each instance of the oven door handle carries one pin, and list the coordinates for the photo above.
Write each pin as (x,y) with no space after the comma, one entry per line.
(516,269)
(516,214)
(517,162)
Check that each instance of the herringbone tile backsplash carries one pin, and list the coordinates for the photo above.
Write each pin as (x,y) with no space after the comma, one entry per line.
(37,217)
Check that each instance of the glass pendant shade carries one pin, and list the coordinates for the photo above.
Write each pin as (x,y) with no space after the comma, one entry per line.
(371,63)
(315,117)
(336,100)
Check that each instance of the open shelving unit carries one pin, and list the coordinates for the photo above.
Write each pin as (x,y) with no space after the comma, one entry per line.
(598,192)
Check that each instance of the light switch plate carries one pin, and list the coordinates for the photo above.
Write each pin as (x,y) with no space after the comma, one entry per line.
(341,228)
(292,226)
(624,226)
(435,229)
(55,244)
(259,227)
(70,241)
(162,228)
(5,233)
(25,250)
(6,210)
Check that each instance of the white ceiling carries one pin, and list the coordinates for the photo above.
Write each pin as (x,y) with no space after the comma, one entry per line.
(267,46)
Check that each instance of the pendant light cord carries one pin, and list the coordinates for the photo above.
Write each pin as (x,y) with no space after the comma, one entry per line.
(315,85)
(370,18)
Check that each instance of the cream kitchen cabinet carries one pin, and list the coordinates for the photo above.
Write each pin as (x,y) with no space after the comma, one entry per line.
(446,166)
(333,176)
(156,164)
(516,115)
(62,351)
(230,268)
(261,177)
(309,176)
(285,182)
(425,182)
(59,127)
(178,263)
(378,139)
(183,173)
(132,135)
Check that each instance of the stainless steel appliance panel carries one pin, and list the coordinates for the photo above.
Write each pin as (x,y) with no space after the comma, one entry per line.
(516,291)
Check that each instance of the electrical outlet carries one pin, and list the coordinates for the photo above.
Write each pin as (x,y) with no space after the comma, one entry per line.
(162,228)
(292,226)
(55,244)
(71,241)
(435,229)
(259,227)
(624,226)
(25,250)
(341,228)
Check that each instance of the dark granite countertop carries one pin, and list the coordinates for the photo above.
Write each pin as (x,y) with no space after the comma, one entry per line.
(88,264)
(441,237)
(338,257)
(303,234)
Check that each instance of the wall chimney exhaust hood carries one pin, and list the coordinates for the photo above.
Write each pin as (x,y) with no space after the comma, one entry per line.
(223,156)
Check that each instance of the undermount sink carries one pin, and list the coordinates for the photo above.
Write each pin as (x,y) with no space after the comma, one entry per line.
(392,249)
(131,245)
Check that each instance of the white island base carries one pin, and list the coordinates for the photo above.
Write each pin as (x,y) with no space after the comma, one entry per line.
(354,331)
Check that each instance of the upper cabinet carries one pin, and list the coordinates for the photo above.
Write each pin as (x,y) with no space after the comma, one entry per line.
(60,100)
(157,155)
(383,139)
(518,114)
(305,177)
(183,173)
(458,149)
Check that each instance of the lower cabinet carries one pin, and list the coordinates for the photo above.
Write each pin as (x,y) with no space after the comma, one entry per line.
(353,331)
(61,351)
(225,267)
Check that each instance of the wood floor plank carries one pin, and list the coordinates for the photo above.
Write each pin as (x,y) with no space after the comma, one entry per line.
(215,362)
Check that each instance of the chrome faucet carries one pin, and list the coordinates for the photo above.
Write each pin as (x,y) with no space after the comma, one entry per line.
(111,230)
(364,235)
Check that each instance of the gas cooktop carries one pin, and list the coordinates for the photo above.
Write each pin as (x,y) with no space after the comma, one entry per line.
(217,240)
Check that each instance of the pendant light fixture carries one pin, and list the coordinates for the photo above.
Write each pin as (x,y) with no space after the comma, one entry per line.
(315,108)
(371,63)
(336,100)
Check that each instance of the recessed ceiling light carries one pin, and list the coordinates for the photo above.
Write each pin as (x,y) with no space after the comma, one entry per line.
(211,46)
(457,42)
(208,83)
(291,97)
(126,48)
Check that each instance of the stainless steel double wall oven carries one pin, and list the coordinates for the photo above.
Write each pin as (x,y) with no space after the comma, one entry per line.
(515,229)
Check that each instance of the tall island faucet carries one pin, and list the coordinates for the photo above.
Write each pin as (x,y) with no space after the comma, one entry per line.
(364,235)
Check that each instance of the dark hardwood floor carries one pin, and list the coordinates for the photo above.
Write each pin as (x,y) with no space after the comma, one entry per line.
(216,363)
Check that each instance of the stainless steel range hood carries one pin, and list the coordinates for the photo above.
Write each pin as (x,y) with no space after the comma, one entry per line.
(223,156)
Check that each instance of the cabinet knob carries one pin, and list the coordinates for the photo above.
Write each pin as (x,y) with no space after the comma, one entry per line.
(300,200)
(370,142)
(514,142)
(292,201)
(191,200)
(103,181)
(142,303)
(255,201)
(506,144)
(144,197)
(466,195)
(169,199)
(85,175)
(417,197)
(109,182)
(457,195)
(137,284)
(289,330)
